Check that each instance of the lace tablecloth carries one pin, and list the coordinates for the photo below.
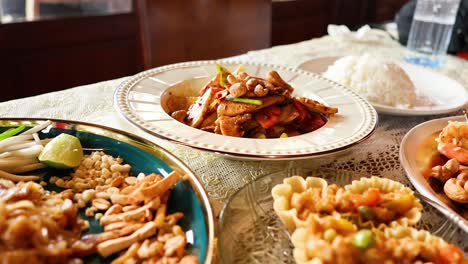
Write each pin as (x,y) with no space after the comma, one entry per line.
(220,176)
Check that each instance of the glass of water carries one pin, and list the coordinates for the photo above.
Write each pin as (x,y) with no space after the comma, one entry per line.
(431,31)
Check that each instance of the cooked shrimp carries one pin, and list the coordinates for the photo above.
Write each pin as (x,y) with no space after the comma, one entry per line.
(453,141)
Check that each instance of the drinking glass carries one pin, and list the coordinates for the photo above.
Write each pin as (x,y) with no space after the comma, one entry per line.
(431,31)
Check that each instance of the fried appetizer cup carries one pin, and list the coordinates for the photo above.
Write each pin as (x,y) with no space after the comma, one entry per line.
(324,241)
(379,202)
(298,199)
(368,202)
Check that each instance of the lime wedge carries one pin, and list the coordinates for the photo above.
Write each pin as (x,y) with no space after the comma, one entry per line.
(62,152)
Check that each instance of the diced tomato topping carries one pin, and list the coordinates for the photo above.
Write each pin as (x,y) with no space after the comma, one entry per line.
(370,198)
(217,89)
(268,117)
(221,94)
(60,125)
(313,122)
(292,133)
(303,112)
(450,255)
(308,121)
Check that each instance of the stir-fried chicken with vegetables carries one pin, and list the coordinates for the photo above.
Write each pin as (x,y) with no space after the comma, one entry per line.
(239,105)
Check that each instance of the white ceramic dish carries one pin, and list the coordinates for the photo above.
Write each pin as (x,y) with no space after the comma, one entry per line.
(408,149)
(437,94)
(142,101)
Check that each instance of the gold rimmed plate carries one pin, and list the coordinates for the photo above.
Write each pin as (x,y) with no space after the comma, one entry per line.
(187,197)
(141,100)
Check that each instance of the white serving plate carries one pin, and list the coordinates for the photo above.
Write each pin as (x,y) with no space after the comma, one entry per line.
(408,149)
(141,100)
(437,94)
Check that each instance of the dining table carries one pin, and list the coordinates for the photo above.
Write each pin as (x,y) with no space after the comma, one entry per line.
(222,176)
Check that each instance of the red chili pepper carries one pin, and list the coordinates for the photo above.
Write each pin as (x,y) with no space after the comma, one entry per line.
(370,198)
(217,89)
(60,125)
(308,121)
(303,112)
(222,94)
(450,254)
(268,117)
(313,122)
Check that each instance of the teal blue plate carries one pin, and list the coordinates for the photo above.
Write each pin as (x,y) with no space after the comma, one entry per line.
(187,196)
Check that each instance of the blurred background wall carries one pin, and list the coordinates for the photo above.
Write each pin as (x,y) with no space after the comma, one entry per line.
(49,45)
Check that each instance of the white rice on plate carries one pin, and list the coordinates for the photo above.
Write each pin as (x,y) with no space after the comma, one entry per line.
(378,80)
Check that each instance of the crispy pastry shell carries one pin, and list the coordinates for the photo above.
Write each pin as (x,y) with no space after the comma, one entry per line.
(410,218)
(282,194)
(300,235)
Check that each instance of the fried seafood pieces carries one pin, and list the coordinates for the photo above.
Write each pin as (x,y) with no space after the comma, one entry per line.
(367,221)
(38,226)
(237,104)
(453,141)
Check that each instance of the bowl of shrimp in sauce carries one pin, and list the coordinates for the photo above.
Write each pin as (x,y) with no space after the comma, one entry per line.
(434,155)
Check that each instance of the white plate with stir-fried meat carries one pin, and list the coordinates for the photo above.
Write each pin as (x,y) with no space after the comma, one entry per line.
(246,110)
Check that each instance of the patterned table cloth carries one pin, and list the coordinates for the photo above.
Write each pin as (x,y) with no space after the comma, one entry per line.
(221,176)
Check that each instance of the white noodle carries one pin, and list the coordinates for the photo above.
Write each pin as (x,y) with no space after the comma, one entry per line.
(19,153)
(19,146)
(36,138)
(7,164)
(26,168)
(37,128)
(32,151)
(14,140)
(17,178)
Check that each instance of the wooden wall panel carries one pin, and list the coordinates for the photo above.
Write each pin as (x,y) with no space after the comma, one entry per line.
(294,21)
(42,72)
(298,20)
(209,29)
(67,31)
(352,13)
(385,10)
(55,54)
(51,55)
